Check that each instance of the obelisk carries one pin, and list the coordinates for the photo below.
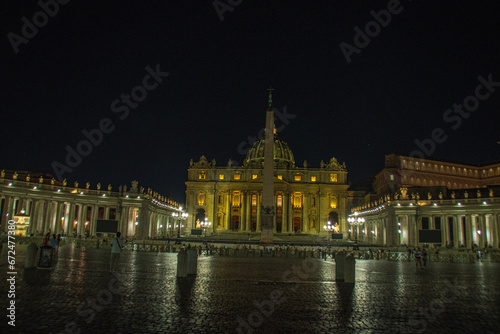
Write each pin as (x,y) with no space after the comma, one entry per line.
(267,212)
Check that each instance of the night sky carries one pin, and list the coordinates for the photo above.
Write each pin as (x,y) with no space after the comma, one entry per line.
(395,90)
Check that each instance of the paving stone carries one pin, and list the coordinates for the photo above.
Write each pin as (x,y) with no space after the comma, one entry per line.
(230,293)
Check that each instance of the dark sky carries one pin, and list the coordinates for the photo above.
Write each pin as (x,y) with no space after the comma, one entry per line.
(395,90)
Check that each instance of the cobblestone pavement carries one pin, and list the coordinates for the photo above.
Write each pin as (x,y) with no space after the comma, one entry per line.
(245,295)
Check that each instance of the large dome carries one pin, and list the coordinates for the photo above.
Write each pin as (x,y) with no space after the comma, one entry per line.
(283,156)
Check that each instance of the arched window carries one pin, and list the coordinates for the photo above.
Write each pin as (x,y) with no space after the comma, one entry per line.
(297,200)
(236,199)
(333,202)
(279,201)
(201,198)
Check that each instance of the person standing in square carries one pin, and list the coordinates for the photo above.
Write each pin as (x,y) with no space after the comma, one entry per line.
(116,249)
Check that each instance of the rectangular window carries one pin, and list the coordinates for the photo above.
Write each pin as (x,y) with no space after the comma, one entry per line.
(313,178)
(391,177)
(333,177)
(297,178)
(280,177)
(254,176)
(425,223)
(221,176)
(237,176)
(201,175)
(437,223)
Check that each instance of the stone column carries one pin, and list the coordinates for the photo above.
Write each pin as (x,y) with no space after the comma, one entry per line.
(228,222)
(80,219)
(275,213)
(5,218)
(248,209)
(259,207)
(495,231)
(242,225)
(107,210)
(461,231)
(44,217)
(444,231)
(71,219)
(481,225)
(468,231)
(284,213)
(306,227)
(34,219)
(290,214)
(456,232)
(67,215)
(124,221)
(59,217)
(488,231)
(475,228)
(93,220)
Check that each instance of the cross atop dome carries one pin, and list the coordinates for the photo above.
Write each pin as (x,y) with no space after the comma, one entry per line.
(270,102)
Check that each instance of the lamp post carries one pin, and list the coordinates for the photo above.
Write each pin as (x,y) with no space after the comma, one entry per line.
(205,224)
(180,217)
(356,221)
(329,228)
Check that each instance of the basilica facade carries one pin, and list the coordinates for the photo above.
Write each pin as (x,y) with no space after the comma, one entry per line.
(230,197)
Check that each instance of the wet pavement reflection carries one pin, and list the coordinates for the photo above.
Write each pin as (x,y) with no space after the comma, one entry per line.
(259,295)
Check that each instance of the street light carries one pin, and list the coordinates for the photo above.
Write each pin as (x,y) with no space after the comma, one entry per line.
(329,228)
(356,221)
(180,217)
(205,224)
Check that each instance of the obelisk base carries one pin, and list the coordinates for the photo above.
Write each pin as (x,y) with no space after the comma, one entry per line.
(266,236)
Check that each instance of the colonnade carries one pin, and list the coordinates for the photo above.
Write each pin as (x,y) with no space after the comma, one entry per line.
(473,227)
(220,209)
(70,214)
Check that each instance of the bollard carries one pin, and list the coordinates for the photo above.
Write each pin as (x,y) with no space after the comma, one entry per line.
(31,256)
(192,261)
(350,270)
(46,256)
(339,266)
(182,263)
(97,244)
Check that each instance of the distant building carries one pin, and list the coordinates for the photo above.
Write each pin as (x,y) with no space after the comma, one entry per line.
(38,204)
(417,200)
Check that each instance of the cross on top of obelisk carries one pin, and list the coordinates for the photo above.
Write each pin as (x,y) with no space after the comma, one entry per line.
(270,89)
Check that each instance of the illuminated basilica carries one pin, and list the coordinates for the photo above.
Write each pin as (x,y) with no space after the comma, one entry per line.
(230,197)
